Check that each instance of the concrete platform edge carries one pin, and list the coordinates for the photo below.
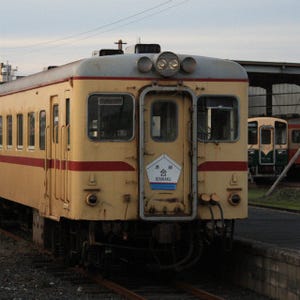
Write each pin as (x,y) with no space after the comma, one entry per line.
(266,269)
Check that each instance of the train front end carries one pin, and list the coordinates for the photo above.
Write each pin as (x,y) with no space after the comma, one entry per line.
(267,147)
(167,135)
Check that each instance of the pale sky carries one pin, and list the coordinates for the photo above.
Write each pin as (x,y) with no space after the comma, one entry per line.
(38,33)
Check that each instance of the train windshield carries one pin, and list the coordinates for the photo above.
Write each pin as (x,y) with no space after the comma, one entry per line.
(252,133)
(217,118)
(266,136)
(110,117)
(280,133)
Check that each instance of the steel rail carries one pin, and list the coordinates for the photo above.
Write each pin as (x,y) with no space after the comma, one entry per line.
(116,288)
(200,294)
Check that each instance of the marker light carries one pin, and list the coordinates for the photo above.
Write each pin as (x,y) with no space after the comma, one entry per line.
(144,64)
(188,65)
(167,64)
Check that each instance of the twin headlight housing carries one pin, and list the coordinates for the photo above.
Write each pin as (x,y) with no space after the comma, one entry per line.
(167,64)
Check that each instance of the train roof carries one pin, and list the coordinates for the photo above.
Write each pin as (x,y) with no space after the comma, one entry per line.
(266,118)
(121,66)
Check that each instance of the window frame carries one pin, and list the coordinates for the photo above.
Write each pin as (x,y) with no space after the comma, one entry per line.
(256,133)
(295,139)
(42,137)
(1,132)
(20,133)
(30,145)
(98,137)
(9,131)
(281,133)
(161,140)
(235,109)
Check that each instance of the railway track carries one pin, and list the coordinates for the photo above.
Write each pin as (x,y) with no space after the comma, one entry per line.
(27,273)
(93,286)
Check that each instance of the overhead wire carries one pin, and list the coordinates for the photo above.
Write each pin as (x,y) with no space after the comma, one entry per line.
(71,39)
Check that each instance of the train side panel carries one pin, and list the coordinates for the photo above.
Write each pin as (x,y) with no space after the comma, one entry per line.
(222,164)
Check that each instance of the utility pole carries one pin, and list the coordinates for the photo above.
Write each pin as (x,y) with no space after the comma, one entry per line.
(120,44)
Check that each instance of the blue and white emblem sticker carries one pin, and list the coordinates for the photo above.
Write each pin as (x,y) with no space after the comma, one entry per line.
(163,173)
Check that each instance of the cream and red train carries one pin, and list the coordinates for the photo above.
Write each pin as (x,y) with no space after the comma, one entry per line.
(137,154)
(268,147)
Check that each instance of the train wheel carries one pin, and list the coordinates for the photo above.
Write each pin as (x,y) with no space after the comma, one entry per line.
(97,257)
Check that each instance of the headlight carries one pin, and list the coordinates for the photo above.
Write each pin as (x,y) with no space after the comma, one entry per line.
(251,152)
(167,64)
(91,199)
(234,199)
(281,152)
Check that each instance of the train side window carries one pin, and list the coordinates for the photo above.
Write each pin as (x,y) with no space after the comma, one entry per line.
(9,137)
(68,121)
(42,130)
(31,130)
(296,136)
(217,118)
(110,117)
(1,132)
(252,133)
(280,133)
(164,121)
(19,131)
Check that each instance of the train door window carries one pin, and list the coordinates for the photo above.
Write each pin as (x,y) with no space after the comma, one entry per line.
(110,117)
(1,132)
(42,130)
(265,137)
(296,136)
(55,123)
(252,133)
(31,130)
(217,118)
(19,131)
(9,138)
(164,121)
(68,121)
(280,133)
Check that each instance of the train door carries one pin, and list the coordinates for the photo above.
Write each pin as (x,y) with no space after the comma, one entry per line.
(56,146)
(167,156)
(54,153)
(266,145)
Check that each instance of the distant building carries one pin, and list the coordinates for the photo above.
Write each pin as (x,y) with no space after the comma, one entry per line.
(274,88)
(7,73)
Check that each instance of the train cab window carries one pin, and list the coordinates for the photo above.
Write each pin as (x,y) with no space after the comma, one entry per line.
(164,121)
(280,133)
(217,118)
(19,131)
(265,136)
(110,117)
(9,138)
(252,133)
(296,136)
(1,132)
(31,130)
(42,130)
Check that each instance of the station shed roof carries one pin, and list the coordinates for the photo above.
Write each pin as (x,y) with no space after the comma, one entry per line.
(265,74)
